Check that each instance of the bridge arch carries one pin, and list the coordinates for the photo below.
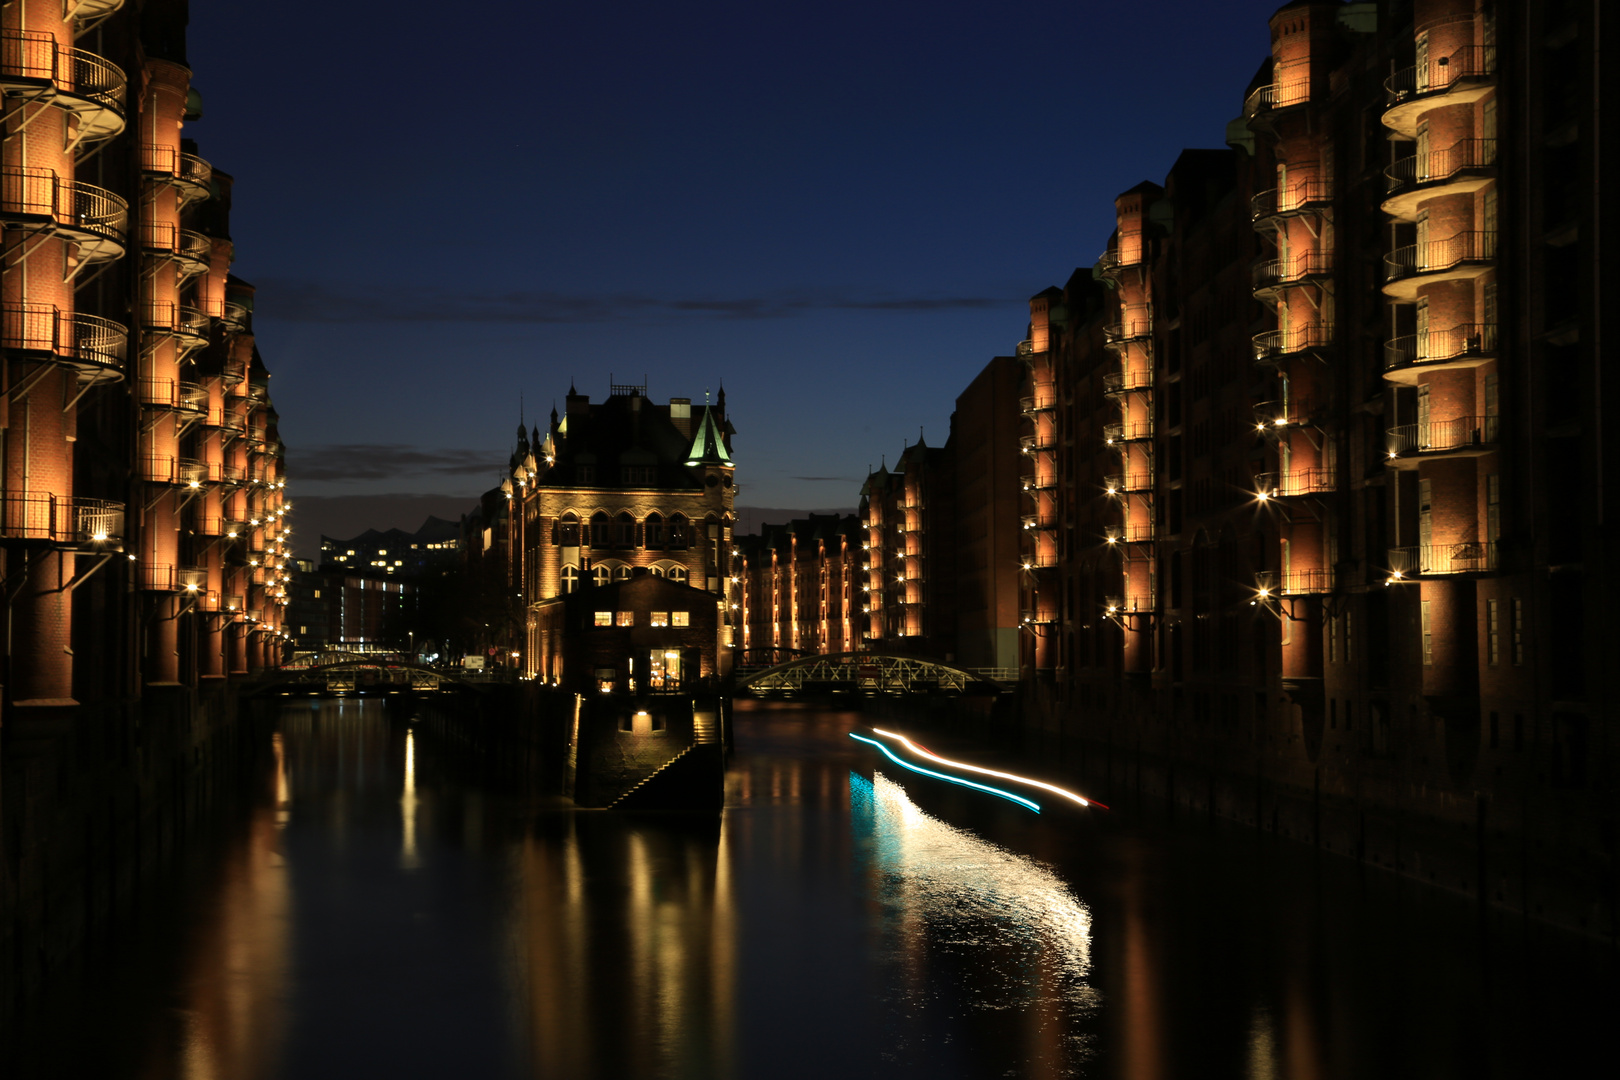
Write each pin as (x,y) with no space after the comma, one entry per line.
(866,673)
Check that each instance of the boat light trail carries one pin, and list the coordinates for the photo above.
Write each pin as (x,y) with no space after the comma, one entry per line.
(1009,796)
(1053,788)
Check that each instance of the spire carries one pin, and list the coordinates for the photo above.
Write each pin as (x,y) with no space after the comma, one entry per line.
(709,446)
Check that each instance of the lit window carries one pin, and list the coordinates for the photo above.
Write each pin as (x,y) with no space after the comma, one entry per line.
(659,618)
(604,618)
(317,594)
(626,618)
(680,618)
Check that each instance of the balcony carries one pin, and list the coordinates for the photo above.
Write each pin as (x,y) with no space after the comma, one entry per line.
(1465,76)
(192,579)
(1464,167)
(157,577)
(92,217)
(60,520)
(1460,257)
(236,317)
(1275,97)
(178,472)
(1127,431)
(35,66)
(1313,267)
(1299,482)
(1035,523)
(1472,557)
(1033,443)
(1307,197)
(1135,532)
(1271,417)
(171,396)
(1465,436)
(1127,483)
(94,347)
(1031,405)
(1127,382)
(186,325)
(1025,350)
(1275,346)
(1467,346)
(194,254)
(191,176)
(210,525)
(1116,336)
(1036,484)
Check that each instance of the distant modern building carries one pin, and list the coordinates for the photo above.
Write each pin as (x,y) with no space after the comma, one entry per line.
(395,552)
(616,490)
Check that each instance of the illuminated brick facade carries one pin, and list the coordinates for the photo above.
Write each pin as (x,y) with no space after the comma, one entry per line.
(141,518)
(619,489)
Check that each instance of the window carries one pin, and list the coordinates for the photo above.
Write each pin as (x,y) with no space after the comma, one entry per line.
(1349,640)
(568,531)
(1333,639)
(625,618)
(601,575)
(637,475)
(658,618)
(570,578)
(1428,633)
(653,531)
(604,618)
(677,531)
(584,474)
(317,594)
(626,530)
(1518,631)
(599,529)
(678,574)
(1493,636)
(622,573)
(680,618)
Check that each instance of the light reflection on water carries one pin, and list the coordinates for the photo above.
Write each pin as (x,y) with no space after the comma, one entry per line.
(378,913)
(956,900)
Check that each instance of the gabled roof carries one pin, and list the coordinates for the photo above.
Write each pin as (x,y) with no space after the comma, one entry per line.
(708,446)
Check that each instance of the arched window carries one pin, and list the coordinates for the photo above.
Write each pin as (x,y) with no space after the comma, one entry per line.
(621,573)
(677,532)
(656,571)
(599,530)
(626,530)
(570,577)
(678,574)
(654,529)
(568,531)
(601,575)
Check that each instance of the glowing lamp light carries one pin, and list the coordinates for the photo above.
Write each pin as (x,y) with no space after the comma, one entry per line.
(99,536)
(1009,796)
(1112,491)
(930,756)
(1263,592)
(1112,539)
(1262,495)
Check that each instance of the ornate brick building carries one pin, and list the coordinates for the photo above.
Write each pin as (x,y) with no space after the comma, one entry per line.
(620,489)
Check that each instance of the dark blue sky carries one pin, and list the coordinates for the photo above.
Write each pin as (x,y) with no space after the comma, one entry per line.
(837,209)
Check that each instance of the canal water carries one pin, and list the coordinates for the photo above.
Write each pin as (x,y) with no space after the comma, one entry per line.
(378,913)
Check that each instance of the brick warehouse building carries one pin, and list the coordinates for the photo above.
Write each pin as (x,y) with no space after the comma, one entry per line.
(142,531)
(1317,460)
(617,489)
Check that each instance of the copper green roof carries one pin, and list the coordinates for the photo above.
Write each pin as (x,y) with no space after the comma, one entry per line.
(708,447)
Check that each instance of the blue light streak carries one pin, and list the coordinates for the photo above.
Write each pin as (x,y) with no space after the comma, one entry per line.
(1009,796)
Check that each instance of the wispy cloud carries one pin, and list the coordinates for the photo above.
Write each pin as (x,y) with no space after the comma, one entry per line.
(384,461)
(311,301)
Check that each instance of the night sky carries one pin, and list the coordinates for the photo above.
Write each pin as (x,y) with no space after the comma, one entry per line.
(836,210)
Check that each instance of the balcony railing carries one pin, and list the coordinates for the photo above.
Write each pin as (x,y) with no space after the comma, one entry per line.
(1472,557)
(1034,404)
(1298,482)
(1125,382)
(1294,582)
(1438,166)
(190,174)
(72,205)
(1275,96)
(87,342)
(1117,335)
(236,315)
(196,252)
(1440,74)
(1281,202)
(1273,345)
(1470,340)
(1278,273)
(1126,483)
(36,56)
(157,577)
(60,519)
(1035,522)
(1136,532)
(192,579)
(1026,349)
(1031,443)
(1127,431)
(1443,436)
(1272,415)
(1438,256)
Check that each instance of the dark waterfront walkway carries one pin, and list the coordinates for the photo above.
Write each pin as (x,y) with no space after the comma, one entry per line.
(377,914)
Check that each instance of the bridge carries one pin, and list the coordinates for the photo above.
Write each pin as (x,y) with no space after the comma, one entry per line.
(346,673)
(869,674)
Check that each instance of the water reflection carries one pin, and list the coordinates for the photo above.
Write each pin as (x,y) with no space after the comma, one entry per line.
(960,909)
